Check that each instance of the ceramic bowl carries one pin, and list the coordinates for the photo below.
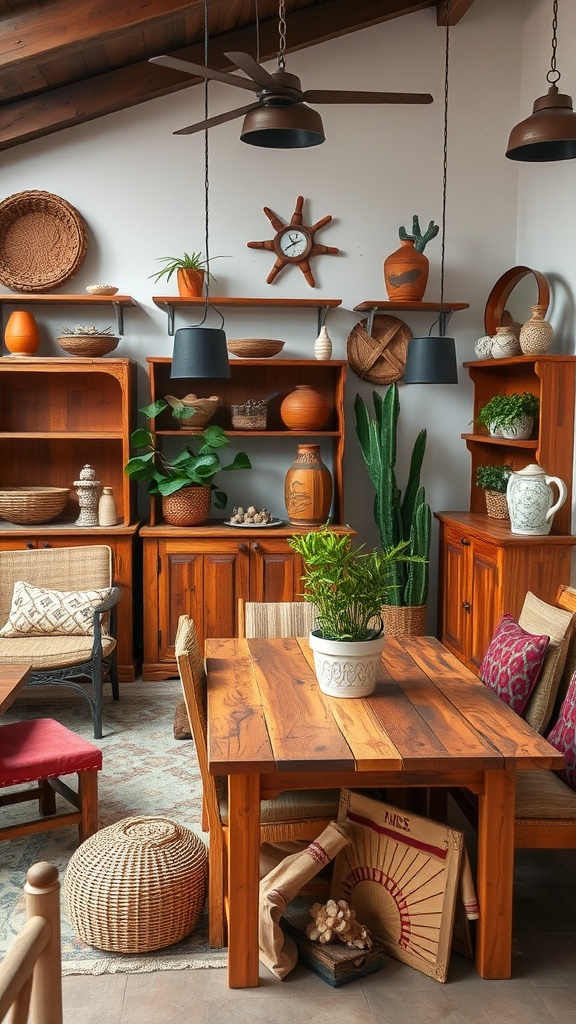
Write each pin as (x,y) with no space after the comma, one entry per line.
(101,289)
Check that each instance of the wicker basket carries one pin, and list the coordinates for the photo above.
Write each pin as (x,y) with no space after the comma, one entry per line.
(43,241)
(496,504)
(137,885)
(254,348)
(88,345)
(189,506)
(379,357)
(22,505)
(404,620)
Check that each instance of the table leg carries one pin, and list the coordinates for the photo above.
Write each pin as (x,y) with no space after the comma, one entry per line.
(243,879)
(495,874)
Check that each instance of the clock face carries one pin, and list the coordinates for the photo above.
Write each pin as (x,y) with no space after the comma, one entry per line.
(293,243)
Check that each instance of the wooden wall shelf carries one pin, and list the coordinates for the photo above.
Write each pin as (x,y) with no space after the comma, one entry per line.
(171,302)
(373,306)
(50,299)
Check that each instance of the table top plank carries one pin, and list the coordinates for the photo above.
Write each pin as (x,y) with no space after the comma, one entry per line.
(12,679)
(238,739)
(302,731)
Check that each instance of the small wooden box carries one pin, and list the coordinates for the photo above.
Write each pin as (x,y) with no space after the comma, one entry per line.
(333,962)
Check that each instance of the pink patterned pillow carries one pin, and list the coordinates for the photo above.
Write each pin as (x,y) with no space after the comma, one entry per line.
(512,663)
(563,735)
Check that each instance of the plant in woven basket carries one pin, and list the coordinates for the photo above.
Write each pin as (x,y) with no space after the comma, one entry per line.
(493,478)
(399,518)
(195,465)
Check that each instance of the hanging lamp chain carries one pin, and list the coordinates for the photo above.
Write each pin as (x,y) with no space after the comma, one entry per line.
(444,165)
(282,34)
(553,76)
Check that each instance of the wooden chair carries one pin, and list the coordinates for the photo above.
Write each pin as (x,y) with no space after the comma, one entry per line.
(31,971)
(290,816)
(275,618)
(60,659)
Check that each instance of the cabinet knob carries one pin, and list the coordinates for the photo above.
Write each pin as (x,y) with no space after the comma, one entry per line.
(466,606)
(29,544)
(46,544)
(242,547)
(465,542)
(256,546)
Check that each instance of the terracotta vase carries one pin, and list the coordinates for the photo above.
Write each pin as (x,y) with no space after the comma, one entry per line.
(406,273)
(188,507)
(190,283)
(21,335)
(304,409)
(536,335)
(308,488)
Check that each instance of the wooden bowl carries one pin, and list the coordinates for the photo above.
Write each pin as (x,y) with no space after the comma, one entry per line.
(254,348)
(204,409)
(88,345)
(22,505)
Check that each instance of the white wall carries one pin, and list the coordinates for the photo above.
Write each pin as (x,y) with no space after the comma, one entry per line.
(141,192)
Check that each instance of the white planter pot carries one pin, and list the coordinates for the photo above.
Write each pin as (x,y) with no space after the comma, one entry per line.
(520,430)
(346,668)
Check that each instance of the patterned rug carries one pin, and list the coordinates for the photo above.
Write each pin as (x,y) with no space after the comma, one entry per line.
(145,772)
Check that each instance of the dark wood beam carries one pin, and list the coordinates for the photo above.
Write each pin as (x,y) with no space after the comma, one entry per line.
(458,9)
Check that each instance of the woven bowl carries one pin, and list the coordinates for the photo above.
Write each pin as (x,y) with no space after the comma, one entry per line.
(22,505)
(89,345)
(254,348)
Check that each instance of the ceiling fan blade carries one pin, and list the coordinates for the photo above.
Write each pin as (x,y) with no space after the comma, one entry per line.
(253,69)
(346,96)
(217,119)
(203,72)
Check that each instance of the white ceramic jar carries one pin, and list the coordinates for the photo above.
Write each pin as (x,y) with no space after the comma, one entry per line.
(531,500)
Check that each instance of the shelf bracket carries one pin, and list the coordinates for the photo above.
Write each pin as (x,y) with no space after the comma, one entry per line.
(170,314)
(444,319)
(370,319)
(119,317)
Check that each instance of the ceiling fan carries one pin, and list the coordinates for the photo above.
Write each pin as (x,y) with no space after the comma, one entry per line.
(279,117)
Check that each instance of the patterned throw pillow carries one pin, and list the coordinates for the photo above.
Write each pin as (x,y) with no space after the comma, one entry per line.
(563,735)
(38,612)
(513,662)
(538,617)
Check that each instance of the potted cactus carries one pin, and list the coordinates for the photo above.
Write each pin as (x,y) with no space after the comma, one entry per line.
(406,269)
(398,517)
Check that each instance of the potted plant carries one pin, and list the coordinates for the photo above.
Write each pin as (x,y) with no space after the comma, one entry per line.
(190,271)
(185,482)
(510,416)
(399,518)
(494,481)
(348,586)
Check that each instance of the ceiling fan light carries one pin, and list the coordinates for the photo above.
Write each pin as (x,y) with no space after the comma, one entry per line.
(293,127)
(548,134)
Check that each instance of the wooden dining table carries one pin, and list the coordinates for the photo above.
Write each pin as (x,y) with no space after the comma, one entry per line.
(12,679)
(429,723)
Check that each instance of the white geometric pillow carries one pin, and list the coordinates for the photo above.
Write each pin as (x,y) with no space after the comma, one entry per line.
(38,612)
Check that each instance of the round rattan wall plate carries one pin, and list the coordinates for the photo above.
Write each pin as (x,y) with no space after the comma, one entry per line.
(379,357)
(43,241)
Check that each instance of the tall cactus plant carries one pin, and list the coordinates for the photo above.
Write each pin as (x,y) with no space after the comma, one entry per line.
(398,517)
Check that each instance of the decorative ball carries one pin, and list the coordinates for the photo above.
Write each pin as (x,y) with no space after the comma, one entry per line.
(483,347)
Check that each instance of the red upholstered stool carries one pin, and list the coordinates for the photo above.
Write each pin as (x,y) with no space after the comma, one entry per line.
(40,751)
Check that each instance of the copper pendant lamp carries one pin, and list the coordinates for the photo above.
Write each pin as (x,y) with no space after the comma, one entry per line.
(550,131)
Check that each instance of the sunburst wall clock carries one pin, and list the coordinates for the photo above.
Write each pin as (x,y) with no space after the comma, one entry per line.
(294,243)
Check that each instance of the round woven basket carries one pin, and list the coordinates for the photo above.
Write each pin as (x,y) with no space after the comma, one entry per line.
(404,620)
(496,504)
(379,357)
(22,505)
(254,348)
(88,345)
(189,506)
(43,241)
(137,885)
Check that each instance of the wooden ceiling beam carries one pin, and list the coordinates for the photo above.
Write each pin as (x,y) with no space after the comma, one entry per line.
(458,9)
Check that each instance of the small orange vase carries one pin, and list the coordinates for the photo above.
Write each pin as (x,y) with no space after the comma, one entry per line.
(304,409)
(406,273)
(21,335)
(190,283)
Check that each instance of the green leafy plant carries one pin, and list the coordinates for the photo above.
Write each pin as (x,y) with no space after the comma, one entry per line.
(189,261)
(348,585)
(493,478)
(399,518)
(195,465)
(420,240)
(502,411)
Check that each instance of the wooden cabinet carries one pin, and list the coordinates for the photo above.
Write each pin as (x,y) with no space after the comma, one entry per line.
(56,415)
(485,569)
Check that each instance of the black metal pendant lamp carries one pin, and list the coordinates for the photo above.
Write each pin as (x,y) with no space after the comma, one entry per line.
(550,131)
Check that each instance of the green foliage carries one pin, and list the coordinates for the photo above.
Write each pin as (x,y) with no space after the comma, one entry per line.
(493,478)
(195,465)
(420,240)
(398,518)
(502,410)
(347,585)
(189,261)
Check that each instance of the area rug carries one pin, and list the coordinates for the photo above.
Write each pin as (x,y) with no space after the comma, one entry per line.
(145,772)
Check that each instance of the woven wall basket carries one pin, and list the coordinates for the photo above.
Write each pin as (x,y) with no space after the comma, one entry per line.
(43,241)
(137,885)
(379,357)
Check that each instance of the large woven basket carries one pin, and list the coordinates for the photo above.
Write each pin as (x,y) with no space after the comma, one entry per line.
(43,241)
(404,620)
(379,357)
(89,346)
(137,885)
(22,505)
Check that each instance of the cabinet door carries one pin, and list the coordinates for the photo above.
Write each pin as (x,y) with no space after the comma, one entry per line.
(275,571)
(486,600)
(455,565)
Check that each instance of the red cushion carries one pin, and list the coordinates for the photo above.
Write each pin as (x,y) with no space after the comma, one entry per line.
(563,735)
(43,749)
(513,662)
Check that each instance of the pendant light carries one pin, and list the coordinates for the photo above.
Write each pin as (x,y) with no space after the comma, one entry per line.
(432,360)
(201,351)
(550,131)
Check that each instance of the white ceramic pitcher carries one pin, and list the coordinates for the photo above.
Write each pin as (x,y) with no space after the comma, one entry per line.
(531,500)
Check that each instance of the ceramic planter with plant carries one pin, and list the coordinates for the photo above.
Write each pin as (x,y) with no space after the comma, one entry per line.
(406,269)
(494,480)
(400,518)
(510,416)
(185,482)
(348,586)
(190,270)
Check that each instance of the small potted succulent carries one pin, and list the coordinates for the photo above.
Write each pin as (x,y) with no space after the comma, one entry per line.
(190,270)
(406,269)
(494,480)
(348,586)
(510,416)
